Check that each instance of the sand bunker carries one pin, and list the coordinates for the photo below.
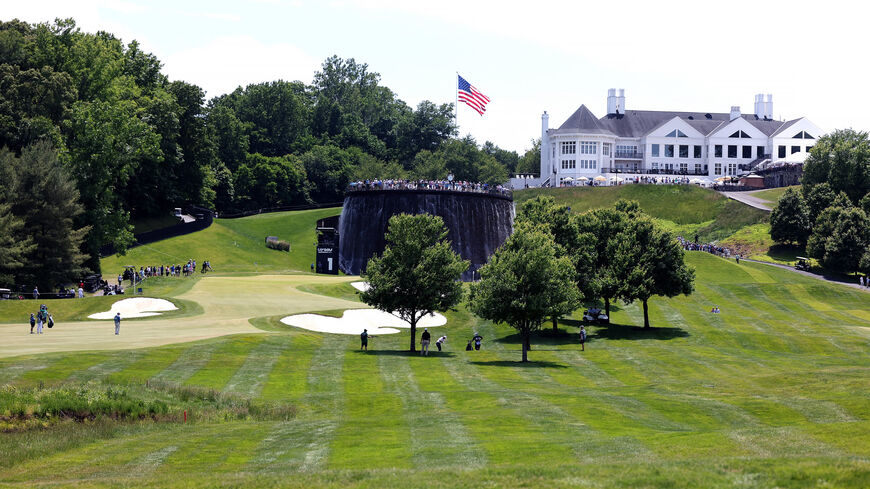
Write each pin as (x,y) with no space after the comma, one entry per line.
(136,307)
(360,286)
(353,321)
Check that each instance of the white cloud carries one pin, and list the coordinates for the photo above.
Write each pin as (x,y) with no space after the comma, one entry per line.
(225,63)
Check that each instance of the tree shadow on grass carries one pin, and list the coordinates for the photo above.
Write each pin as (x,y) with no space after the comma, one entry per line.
(517,363)
(543,337)
(625,332)
(405,353)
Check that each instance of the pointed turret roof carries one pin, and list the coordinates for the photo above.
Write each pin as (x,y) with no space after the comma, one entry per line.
(583,120)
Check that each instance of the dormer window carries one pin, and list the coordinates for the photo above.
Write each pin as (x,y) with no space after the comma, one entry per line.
(740,134)
(676,133)
(802,135)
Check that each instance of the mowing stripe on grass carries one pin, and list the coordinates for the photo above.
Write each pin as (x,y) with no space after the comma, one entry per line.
(372,421)
(224,362)
(189,362)
(438,437)
(146,464)
(583,373)
(22,367)
(101,458)
(507,434)
(296,445)
(152,362)
(757,274)
(114,363)
(786,441)
(289,375)
(252,375)
(62,368)
(303,443)
(204,448)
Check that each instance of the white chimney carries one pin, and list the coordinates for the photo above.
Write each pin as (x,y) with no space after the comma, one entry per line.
(768,107)
(735,112)
(545,145)
(620,101)
(760,106)
(611,101)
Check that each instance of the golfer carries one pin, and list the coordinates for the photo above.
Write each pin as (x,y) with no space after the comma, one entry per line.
(364,340)
(118,323)
(32,322)
(424,342)
(440,341)
(477,340)
(582,338)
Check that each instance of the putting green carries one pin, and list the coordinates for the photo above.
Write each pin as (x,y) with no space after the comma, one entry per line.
(228,303)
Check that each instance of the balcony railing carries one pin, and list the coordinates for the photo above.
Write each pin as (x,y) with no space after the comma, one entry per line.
(653,171)
(628,155)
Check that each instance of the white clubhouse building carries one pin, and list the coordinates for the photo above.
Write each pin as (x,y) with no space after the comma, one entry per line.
(709,144)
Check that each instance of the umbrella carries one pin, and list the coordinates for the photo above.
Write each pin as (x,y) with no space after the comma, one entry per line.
(722,179)
(696,180)
(567,179)
(599,178)
(582,179)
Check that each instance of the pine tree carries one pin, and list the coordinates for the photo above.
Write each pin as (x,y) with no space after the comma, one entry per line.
(14,245)
(45,198)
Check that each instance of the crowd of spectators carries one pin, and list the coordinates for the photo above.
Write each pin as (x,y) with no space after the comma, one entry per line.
(637,179)
(184,270)
(709,248)
(446,185)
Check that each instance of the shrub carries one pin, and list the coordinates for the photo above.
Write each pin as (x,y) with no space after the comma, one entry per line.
(277,244)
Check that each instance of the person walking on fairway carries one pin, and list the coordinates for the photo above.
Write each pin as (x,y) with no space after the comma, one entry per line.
(364,340)
(582,338)
(424,342)
(39,319)
(118,323)
(32,322)
(35,293)
(440,341)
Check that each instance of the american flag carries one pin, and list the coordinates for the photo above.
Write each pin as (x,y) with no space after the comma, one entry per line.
(473,98)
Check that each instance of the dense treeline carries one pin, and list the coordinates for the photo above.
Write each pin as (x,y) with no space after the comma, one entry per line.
(830,214)
(136,144)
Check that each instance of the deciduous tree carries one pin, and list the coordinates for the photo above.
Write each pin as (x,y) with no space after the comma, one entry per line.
(417,274)
(524,282)
(649,261)
(790,220)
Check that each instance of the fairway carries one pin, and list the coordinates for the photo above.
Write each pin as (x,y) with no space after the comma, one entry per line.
(772,392)
(227,305)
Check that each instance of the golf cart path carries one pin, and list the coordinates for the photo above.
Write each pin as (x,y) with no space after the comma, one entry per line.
(854,285)
(749,199)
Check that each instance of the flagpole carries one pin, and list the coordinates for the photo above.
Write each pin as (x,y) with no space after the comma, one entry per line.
(456,104)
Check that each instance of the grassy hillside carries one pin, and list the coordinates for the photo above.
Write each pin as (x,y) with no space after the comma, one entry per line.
(771,196)
(685,209)
(772,392)
(235,245)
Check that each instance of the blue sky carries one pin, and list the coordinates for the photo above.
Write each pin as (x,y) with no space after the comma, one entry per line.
(526,56)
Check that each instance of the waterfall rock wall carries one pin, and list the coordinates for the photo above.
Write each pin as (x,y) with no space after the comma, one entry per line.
(477,223)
